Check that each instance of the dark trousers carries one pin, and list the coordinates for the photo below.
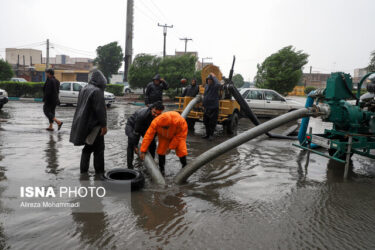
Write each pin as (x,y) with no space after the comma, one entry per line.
(98,148)
(162,163)
(49,111)
(130,152)
(210,117)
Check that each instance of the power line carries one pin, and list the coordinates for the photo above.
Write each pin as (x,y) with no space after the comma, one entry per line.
(153,14)
(31,45)
(145,14)
(160,11)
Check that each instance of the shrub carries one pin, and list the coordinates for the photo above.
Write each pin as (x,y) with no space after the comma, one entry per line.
(23,89)
(172,93)
(116,89)
(308,89)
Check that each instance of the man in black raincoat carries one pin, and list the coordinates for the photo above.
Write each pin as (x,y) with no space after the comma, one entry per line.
(154,90)
(137,125)
(90,122)
(211,105)
(50,98)
(192,90)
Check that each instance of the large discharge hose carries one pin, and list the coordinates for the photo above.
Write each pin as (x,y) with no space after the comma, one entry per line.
(246,110)
(153,169)
(252,133)
(191,105)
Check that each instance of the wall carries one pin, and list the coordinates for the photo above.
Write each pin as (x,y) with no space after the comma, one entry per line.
(11,56)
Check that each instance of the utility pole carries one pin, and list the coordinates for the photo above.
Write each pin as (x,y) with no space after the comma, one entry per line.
(165,27)
(128,38)
(186,41)
(47,58)
(205,58)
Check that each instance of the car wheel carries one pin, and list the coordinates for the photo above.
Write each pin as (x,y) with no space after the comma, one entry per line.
(127,91)
(232,124)
(119,178)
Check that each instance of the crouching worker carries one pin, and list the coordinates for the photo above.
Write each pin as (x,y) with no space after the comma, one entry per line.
(137,125)
(90,122)
(172,130)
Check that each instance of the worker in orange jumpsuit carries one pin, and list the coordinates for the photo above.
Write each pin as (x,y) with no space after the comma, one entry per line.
(172,131)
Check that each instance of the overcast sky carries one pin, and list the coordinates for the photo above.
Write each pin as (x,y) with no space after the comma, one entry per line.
(337,34)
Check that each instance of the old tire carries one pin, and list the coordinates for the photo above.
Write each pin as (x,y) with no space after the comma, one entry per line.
(119,178)
(232,124)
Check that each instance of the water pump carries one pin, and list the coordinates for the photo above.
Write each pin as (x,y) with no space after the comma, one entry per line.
(353,121)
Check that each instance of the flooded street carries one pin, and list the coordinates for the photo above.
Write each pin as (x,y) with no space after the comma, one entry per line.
(257,196)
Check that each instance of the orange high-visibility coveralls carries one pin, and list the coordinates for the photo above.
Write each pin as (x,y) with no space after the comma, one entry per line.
(172,131)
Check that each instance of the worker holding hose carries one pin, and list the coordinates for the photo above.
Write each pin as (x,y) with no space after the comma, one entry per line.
(172,130)
(137,125)
(211,105)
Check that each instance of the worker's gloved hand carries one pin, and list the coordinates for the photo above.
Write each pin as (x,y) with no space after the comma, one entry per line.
(142,156)
(136,150)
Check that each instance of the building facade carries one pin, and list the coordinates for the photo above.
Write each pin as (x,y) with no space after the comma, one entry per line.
(24,57)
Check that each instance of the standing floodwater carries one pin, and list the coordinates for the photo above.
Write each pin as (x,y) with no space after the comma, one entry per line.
(258,195)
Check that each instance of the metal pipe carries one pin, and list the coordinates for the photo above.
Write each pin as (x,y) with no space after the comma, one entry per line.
(153,169)
(220,149)
(191,105)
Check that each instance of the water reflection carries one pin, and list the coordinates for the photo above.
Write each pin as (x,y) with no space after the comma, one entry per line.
(335,171)
(91,226)
(159,213)
(51,151)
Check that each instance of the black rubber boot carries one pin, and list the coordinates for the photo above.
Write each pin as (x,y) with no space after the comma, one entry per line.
(183,161)
(99,162)
(207,133)
(162,164)
(130,156)
(85,162)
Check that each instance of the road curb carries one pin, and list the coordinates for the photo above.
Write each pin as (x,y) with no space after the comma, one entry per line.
(25,99)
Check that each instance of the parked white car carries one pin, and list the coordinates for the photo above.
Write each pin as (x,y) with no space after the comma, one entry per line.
(69,93)
(267,102)
(18,79)
(3,97)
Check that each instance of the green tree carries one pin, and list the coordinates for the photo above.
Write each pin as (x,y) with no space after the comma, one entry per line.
(174,68)
(371,66)
(281,71)
(6,71)
(142,70)
(238,80)
(109,58)
(198,76)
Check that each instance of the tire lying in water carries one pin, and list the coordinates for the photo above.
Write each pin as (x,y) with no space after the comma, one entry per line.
(119,178)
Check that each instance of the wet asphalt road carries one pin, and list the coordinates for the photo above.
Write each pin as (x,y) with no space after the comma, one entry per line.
(257,196)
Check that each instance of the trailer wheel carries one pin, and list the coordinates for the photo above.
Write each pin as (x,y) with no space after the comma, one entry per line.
(232,124)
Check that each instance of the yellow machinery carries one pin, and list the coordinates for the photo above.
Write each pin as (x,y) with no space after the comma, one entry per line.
(229,110)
